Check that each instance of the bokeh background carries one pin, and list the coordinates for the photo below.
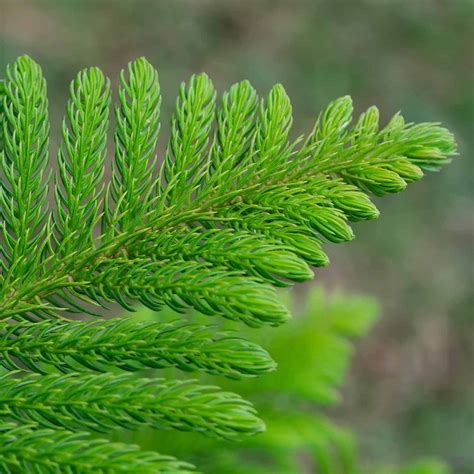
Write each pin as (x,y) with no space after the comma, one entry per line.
(411,390)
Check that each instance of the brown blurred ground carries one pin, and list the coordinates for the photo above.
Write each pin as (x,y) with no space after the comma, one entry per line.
(412,389)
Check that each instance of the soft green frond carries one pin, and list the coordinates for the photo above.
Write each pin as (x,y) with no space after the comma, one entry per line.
(274,126)
(235,128)
(323,337)
(379,161)
(303,242)
(238,250)
(132,345)
(23,162)
(347,198)
(332,125)
(136,137)
(330,449)
(212,290)
(43,451)
(307,210)
(186,156)
(101,402)
(81,160)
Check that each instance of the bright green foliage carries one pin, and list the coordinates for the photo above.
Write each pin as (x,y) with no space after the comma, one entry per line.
(103,401)
(136,136)
(81,160)
(185,161)
(25,128)
(237,209)
(321,337)
(29,449)
(82,346)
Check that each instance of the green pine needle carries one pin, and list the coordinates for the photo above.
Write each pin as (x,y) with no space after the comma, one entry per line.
(130,345)
(101,402)
(44,451)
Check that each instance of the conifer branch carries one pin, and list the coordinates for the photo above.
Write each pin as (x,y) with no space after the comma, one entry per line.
(81,160)
(130,345)
(29,449)
(25,136)
(181,284)
(261,205)
(101,402)
(133,185)
(236,209)
(186,155)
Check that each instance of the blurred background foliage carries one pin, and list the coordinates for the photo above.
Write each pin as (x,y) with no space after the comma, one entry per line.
(313,353)
(411,389)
